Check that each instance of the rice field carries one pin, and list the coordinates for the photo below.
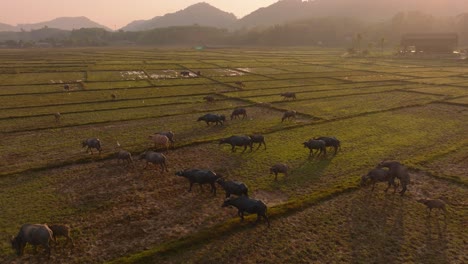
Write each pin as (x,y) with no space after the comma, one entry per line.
(413,111)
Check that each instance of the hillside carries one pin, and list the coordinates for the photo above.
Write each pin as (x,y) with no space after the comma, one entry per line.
(65,23)
(6,27)
(202,14)
(289,10)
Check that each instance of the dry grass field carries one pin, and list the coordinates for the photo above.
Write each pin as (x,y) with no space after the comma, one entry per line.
(410,110)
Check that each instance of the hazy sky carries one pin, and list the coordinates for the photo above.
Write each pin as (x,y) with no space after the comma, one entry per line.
(111,13)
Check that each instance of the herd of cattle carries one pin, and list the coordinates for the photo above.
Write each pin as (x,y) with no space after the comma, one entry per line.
(386,171)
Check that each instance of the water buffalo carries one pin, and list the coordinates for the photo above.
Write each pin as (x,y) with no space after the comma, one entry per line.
(159,140)
(240,84)
(288,95)
(61,230)
(124,156)
(240,141)
(236,113)
(212,118)
(279,168)
(331,142)
(319,145)
(209,99)
(91,143)
(289,115)
(434,203)
(185,73)
(233,187)
(155,158)
(397,170)
(57,117)
(257,138)
(201,177)
(378,175)
(248,205)
(169,134)
(34,234)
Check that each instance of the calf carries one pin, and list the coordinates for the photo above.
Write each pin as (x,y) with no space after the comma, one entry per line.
(159,140)
(236,113)
(289,115)
(434,203)
(125,156)
(319,145)
(155,158)
(378,175)
(34,234)
(233,187)
(170,135)
(279,168)
(257,138)
(331,142)
(61,230)
(201,177)
(288,95)
(246,205)
(212,118)
(91,143)
(241,141)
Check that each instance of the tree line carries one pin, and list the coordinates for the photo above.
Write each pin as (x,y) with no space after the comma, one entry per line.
(328,31)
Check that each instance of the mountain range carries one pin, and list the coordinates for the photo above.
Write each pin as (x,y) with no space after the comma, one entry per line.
(204,14)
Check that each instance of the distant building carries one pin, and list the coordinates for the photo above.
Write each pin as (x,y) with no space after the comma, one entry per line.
(430,43)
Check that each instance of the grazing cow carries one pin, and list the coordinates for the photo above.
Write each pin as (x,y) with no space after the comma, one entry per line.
(169,135)
(61,230)
(34,234)
(288,95)
(289,115)
(233,187)
(378,175)
(240,141)
(397,170)
(319,145)
(212,118)
(125,156)
(257,138)
(91,143)
(434,203)
(279,168)
(155,158)
(236,113)
(201,177)
(185,73)
(209,99)
(159,140)
(245,204)
(240,84)
(66,87)
(58,117)
(331,142)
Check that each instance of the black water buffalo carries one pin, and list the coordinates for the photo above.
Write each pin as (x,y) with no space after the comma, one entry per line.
(257,138)
(279,168)
(288,95)
(378,175)
(209,98)
(212,118)
(397,170)
(239,141)
(201,177)
(248,205)
(236,113)
(233,187)
(34,234)
(331,142)
(185,73)
(91,143)
(319,145)
(61,230)
(155,158)
(289,115)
